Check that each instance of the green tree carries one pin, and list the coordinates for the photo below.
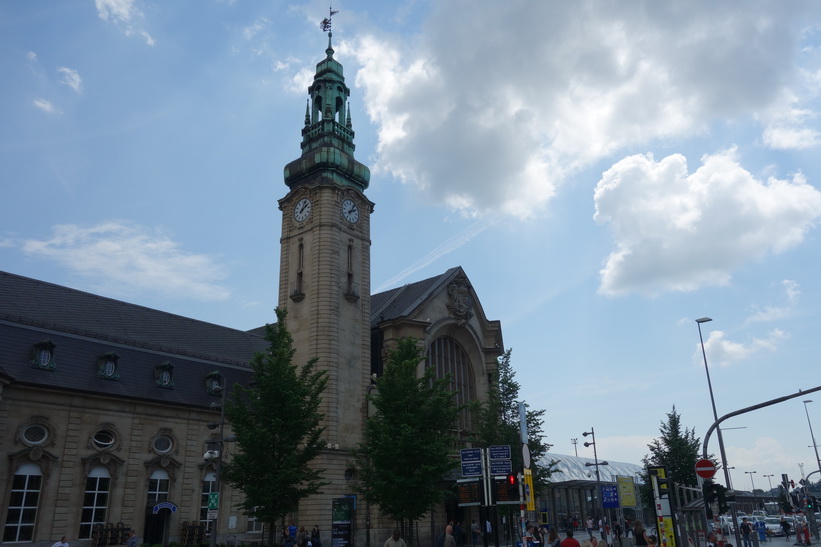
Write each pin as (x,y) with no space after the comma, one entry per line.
(276,421)
(497,423)
(408,443)
(677,449)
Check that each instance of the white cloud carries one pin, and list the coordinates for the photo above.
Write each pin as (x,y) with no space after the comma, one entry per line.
(496,109)
(31,57)
(116,10)
(772,313)
(125,15)
(71,78)
(676,231)
(724,353)
(45,105)
(124,258)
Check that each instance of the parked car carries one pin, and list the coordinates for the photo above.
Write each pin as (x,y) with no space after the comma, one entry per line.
(773,525)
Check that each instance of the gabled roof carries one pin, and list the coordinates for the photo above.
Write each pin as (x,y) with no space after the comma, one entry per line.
(402,301)
(37,303)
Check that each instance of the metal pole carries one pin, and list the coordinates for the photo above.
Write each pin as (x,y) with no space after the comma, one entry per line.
(812,520)
(715,417)
(212,541)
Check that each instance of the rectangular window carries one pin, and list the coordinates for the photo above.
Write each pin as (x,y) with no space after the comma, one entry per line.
(208,485)
(254,525)
(95,504)
(22,510)
(158,490)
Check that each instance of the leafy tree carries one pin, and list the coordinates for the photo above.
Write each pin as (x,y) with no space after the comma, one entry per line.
(408,443)
(277,426)
(677,450)
(497,423)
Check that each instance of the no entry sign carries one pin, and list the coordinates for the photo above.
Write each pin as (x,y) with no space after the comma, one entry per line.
(705,469)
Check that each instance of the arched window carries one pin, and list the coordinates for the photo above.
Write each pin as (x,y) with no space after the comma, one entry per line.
(209,484)
(449,357)
(158,485)
(25,497)
(95,500)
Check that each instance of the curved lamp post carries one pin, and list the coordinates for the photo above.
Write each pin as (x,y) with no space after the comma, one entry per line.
(596,463)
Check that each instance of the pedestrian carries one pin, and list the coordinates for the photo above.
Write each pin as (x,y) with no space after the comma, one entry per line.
(316,541)
(570,541)
(590,526)
(639,535)
(475,531)
(302,537)
(132,539)
(651,541)
(450,541)
(395,540)
(785,525)
(62,543)
(457,533)
(746,533)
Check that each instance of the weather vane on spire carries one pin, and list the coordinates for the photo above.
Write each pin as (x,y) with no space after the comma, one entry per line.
(325,25)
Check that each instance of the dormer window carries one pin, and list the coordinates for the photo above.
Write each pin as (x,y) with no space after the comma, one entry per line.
(44,355)
(213,383)
(163,375)
(107,367)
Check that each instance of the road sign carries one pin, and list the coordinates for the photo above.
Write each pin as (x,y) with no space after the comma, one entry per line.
(214,500)
(471,469)
(471,455)
(500,467)
(212,514)
(500,452)
(705,469)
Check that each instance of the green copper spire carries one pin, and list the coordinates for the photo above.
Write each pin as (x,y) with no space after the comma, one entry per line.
(327,137)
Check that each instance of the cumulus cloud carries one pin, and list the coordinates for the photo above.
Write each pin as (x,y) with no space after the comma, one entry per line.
(125,15)
(495,110)
(121,258)
(71,78)
(724,352)
(45,105)
(677,231)
(772,313)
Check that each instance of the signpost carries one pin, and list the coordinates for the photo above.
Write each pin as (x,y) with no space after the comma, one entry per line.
(705,469)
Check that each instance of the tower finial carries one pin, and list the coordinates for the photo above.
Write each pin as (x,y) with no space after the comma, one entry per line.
(325,25)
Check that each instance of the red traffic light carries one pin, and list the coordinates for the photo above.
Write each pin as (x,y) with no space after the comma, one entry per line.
(511,479)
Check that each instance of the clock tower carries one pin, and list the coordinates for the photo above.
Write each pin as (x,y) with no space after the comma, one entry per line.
(324,280)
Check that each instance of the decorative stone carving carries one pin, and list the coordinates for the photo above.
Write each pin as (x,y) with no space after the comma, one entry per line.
(460,302)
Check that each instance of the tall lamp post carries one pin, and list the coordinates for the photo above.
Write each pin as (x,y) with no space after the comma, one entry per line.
(751,473)
(596,463)
(817,461)
(218,453)
(715,417)
(768,480)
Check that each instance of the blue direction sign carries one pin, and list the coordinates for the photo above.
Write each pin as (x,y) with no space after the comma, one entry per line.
(471,454)
(500,452)
(609,496)
(472,469)
(500,467)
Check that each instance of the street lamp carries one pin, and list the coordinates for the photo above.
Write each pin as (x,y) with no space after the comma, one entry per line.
(812,435)
(595,463)
(715,417)
(218,453)
(769,481)
(750,473)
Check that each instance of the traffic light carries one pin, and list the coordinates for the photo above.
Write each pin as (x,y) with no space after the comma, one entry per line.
(721,494)
(709,490)
(810,504)
(512,486)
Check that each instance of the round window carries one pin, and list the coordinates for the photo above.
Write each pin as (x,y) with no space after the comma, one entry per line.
(35,434)
(104,439)
(163,444)
(350,474)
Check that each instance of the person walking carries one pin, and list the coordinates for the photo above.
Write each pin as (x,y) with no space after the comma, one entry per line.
(316,540)
(570,541)
(476,532)
(785,525)
(746,533)
(395,540)
(132,539)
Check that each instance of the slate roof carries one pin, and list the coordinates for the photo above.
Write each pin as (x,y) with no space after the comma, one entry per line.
(54,307)
(400,302)
(85,326)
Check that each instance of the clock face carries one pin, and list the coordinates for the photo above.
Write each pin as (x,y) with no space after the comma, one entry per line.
(350,211)
(302,209)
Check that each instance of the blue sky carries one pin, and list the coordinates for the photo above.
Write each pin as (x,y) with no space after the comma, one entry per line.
(605,172)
